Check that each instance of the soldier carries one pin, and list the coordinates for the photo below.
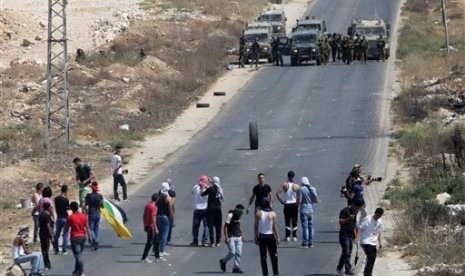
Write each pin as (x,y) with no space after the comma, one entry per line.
(334,46)
(321,48)
(349,49)
(327,47)
(343,49)
(241,52)
(255,52)
(363,49)
(274,51)
(280,49)
(356,47)
(380,45)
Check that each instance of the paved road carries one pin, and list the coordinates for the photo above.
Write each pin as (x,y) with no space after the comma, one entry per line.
(318,121)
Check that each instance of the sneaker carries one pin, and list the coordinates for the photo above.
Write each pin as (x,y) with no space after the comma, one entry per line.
(218,244)
(206,244)
(237,270)
(157,260)
(310,245)
(294,239)
(168,243)
(339,271)
(350,272)
(213,245)
(222,265)
(162,254)
(146,260)
(194,244)
(287,239)
(64,253)
(303,246)
(126,200)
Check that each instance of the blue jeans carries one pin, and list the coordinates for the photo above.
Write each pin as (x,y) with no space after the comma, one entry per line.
(59,226)
(77,245)
(307,228)
(235,250)
(37,262)
(94,225)
(346,245)
(200,216)
(163,225)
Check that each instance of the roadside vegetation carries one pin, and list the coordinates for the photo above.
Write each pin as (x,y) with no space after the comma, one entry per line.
(429,138)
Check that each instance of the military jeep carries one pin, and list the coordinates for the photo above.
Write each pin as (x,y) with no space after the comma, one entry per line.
(264,38)
(304,47)
(277,19)
(371,27)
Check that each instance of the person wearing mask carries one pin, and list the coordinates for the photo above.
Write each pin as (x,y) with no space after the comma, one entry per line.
(347,221)
(291,205)
(45,233)
(94,201)
(165,216)
(369,235)
(84,177)
(78,226)
(20,253)
(172,194)
(308,197)
(233,237)
(259,192)
(266,236)
(62,207)
(214,214)
(35,211)
(200,211)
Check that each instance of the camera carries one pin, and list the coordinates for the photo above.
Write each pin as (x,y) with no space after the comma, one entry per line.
(377,179)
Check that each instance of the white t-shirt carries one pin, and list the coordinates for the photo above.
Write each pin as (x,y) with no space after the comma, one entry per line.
(371,229)
(200,202)
(115,163)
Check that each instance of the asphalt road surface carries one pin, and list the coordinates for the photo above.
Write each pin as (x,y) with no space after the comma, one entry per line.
(317,121)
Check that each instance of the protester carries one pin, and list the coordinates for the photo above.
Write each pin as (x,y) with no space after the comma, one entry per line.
(94,201)
(78,225)
(291,205)
(266,236)
(35,211)
(357,194)
(369,235)
(62,207)
(347,221)
(233,237)
(165,216)
(47,198)
(84,177)
(260,191)
(20,253)
(308,197)
(150,227)
(214,214)
(45,233)
(200,211)
(118,178)
(172,194)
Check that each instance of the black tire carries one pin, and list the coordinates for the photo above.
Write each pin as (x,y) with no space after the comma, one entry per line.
(253,135)
(203,105)
(318,61)
(219,93)
(293,61)
(270,59)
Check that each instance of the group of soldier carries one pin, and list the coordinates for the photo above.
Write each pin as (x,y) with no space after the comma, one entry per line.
(340,48)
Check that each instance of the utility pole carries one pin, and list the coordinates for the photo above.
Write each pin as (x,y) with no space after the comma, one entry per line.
(444,22)
(57,113)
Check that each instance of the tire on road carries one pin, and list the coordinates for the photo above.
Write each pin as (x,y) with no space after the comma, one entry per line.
(318,61)
(203,105)
(253,135)
(293,61)
(219,93)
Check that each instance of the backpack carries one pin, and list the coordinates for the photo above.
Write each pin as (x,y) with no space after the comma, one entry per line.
(313,197)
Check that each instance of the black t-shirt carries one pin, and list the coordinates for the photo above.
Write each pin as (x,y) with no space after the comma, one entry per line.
(233,223)
(61,206)
(347,229)
(93,201)
(44,219)
(83,172)
(260,192)
(213,202)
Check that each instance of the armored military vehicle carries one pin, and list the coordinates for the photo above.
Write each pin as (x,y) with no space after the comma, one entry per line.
(308,23)
(264,38)
(277,19)
(371,27)
(304,47)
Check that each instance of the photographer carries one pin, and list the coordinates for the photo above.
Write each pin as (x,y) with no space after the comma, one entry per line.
(118,177)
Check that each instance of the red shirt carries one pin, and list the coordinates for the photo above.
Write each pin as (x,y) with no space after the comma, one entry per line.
(77,223)
(150,211)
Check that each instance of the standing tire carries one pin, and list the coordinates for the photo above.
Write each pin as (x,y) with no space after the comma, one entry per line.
(253,135)
(318,61)
(293,61)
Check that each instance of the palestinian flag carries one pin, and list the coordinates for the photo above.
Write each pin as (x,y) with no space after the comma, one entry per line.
(116,217)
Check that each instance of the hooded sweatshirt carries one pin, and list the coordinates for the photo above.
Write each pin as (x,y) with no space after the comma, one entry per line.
(306,205)
(214,194)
